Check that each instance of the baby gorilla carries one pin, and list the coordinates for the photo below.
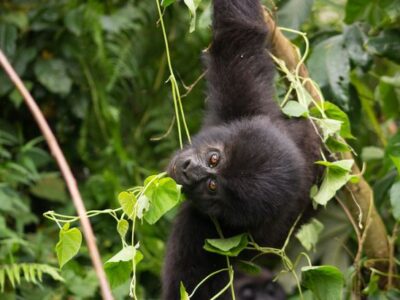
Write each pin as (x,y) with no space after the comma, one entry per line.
(249,167)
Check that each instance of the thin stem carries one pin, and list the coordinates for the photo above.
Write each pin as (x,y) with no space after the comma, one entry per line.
(230,283)
(228,263)
(179,113)
(205,279)
(67,174)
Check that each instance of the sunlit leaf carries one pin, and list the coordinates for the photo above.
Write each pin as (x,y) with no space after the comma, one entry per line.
(192,6)
(308,234)
(372,153)
(127,201)
(396,161)
(122,228)
(182,291)
(143,205)
(69,243)
(294,109)
(230,246)
(334,112)
(329,127)
(336,176)
(163,195)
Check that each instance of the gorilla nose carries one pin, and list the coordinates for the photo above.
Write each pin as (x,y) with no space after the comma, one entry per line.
(192,171)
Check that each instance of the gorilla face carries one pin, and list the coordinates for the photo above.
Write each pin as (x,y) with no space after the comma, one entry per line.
(244,166)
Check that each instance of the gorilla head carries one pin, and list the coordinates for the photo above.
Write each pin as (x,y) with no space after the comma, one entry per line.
(244,167)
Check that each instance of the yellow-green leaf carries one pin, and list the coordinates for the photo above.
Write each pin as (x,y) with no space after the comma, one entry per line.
(68,245)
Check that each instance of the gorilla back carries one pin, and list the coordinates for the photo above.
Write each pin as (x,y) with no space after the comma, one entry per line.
(249,167)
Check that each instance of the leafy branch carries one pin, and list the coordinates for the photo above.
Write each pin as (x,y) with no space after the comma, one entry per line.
(359,195)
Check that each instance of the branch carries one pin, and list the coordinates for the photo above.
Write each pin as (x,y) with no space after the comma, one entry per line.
(66,172)
(358,196)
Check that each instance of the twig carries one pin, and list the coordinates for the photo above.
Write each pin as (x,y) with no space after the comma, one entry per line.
(190,87)
(66,172)
(392,266)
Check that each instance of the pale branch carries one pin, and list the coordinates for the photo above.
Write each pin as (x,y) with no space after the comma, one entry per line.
(358,195)
(66,172)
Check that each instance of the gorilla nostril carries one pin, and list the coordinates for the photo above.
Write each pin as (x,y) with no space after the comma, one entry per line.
(186,165)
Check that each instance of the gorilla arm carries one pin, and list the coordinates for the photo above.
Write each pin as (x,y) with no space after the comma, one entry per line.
(187,262)
(240,73)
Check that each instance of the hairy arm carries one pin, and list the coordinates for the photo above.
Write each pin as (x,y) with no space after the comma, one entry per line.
(240,73)
(186,260)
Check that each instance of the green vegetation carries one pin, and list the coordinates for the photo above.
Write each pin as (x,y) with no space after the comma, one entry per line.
(113,91)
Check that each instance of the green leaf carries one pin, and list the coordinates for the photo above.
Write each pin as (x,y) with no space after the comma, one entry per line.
(53,75)
(396,161)
(192,6)
(125,254)
(118,273)
(127,201)
(119,267)
(164,194)
(143,206)
(334,112)
(388,92)
(2,280)
(336,176)
(293,14)
(376,13)
(166,3)
(386,44)
(395,200)
(309,233)
(230,246)
(68,245)
(248,267)
(329,65)
(355,40)
(339,165)
(50,187)
(336,144)
(122,228)
(74,20)
(15,95)
(372,153)
(17,18)
(329,127)
(183,293)
(294,109)
(325,282)
(8,39)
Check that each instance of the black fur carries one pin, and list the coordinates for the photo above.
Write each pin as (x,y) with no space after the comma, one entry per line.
(258,287)
(266,161)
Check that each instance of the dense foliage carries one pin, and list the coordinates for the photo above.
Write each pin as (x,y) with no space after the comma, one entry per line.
(98,70)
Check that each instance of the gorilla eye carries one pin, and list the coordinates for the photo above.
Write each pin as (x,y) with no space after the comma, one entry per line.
(213,160)
(212,185)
